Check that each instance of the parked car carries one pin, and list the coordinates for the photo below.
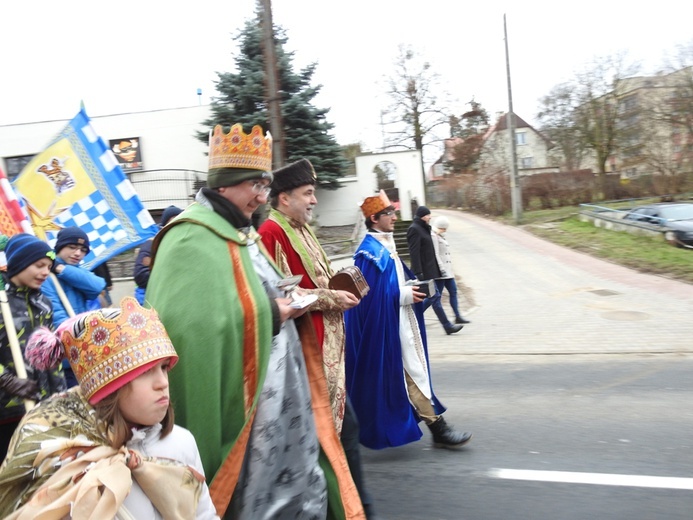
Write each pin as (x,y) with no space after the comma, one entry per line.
(675,219)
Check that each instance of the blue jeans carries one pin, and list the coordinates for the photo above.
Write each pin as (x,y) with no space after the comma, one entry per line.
(435,302)
(451,286)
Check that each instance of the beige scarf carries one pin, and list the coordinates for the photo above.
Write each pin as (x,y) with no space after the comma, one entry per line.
(94,485)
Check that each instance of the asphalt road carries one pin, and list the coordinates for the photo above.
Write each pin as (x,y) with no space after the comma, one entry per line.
(574,377)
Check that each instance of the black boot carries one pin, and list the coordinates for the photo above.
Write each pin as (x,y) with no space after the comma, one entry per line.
(451,329)
(445,437)
(461,320)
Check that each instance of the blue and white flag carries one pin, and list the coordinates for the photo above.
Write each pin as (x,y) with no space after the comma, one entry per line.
(76,181)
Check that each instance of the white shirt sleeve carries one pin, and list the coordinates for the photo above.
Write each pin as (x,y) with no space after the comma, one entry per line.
(406,295)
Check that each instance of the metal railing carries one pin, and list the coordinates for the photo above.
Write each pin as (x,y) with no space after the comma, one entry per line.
(159,189)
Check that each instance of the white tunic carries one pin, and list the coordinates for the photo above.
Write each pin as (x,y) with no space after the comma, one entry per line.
(413,355)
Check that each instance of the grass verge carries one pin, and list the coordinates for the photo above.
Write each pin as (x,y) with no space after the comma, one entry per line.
(646,254)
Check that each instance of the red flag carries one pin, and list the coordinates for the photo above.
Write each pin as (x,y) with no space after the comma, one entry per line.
(12,219)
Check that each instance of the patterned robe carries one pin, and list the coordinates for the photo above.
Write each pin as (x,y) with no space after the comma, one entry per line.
(296,250)
(60,462)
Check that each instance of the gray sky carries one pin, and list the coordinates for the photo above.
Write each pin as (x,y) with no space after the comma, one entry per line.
(155,54)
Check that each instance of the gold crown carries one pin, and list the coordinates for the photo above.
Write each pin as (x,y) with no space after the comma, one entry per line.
(372,205)
(240,150)
(107,348)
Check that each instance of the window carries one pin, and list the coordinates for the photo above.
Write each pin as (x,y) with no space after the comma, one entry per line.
(628,104)
(526,162)
(386,174)
(15,165)
(521,138)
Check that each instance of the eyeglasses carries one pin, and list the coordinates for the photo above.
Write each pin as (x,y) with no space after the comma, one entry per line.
(261,189)
(75,247)
(388,213)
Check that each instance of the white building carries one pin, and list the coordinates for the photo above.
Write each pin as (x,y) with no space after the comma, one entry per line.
(171,163)
(168,150)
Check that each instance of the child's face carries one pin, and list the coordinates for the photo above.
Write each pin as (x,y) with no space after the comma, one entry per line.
(73,254)
(144,400)
(34,275)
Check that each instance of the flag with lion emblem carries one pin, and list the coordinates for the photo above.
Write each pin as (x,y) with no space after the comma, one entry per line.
(76,181)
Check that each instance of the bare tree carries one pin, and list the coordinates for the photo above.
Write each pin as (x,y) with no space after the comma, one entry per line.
(665,133)
(557,119)
(669,115)
(414,113)
(682,98)
(597,112)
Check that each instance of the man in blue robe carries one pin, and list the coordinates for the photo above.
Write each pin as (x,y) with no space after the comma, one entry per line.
(388,376)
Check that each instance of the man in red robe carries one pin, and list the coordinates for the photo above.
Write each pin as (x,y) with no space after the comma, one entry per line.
(295,249)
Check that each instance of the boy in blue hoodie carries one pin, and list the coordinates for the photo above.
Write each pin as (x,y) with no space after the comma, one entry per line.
(79,285)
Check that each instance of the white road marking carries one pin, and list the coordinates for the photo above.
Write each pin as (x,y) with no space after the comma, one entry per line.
(600,479)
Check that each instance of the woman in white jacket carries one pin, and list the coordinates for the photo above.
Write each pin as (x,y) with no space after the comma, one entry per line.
(447,280)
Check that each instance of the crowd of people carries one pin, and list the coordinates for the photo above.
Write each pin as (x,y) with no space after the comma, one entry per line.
(279,377)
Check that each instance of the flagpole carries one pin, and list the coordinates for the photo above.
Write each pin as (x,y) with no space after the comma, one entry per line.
(63,297)
(17,356)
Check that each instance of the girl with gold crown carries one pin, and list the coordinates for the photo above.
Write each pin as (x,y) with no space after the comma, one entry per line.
(107,448)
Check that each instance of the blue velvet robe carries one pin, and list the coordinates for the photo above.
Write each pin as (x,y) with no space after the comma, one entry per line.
(374,369)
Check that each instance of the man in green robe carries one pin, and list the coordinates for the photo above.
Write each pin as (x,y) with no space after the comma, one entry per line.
(250,385)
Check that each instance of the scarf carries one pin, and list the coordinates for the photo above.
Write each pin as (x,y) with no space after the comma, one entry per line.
(51,473)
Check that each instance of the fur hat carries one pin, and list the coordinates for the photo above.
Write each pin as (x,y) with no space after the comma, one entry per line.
(422,211)
(71,236)
(293,176)
(107,348)
(22,250)
(372,205)
(169,213)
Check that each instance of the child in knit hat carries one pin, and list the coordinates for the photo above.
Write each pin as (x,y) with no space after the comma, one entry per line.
(109,447)
(29,261)
(79,284)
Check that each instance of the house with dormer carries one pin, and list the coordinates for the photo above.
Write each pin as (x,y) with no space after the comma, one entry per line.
(492,151)
(486,157)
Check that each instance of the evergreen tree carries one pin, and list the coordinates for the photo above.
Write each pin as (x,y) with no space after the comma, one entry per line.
(242,99)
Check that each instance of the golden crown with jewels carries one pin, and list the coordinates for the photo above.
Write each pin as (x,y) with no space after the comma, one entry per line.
(240,150)
(108,348)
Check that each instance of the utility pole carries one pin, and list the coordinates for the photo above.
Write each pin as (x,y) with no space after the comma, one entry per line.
(272,85)
(515,188)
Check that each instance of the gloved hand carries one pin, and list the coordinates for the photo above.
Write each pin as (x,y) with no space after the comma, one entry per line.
(24,388)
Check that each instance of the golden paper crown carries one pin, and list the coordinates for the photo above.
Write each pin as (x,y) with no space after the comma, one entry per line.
(108,348)
(372,205)
(240,150)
